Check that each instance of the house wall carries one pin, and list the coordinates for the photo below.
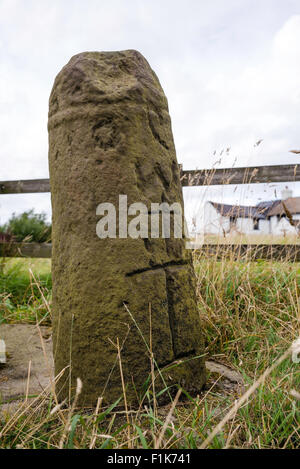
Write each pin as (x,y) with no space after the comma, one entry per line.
(264,227)
(282,226)
(214,223)
(246,225)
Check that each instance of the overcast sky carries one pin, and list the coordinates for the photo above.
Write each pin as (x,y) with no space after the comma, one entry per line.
(230,70)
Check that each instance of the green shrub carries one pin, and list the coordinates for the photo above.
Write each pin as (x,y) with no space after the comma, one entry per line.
(28,226)
(22,296)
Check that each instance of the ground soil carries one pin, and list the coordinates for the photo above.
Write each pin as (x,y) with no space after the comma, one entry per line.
(29,367)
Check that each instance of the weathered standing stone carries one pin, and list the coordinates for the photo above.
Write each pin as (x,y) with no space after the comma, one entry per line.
(110,134)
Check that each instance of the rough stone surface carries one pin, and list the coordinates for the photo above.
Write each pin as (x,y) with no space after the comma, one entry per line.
(110,134)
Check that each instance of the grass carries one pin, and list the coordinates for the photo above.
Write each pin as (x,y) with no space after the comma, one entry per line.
(250,313)
(241,238)
(20,297)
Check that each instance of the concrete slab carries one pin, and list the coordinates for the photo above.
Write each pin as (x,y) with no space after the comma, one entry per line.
(24,351)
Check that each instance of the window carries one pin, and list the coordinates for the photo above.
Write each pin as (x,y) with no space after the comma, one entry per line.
(255,224)
(232,221)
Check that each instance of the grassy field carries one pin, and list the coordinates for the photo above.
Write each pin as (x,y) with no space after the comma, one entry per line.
(250,313)
(20,291)
(241,238)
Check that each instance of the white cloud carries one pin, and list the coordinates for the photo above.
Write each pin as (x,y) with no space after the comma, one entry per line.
(230,71)
(239,106)
(286,44)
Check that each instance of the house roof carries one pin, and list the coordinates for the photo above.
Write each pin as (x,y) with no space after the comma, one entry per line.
(292,204)
(260,211)
(266,206)
(239,211)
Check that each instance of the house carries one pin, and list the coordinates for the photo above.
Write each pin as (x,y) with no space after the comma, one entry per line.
(279,217)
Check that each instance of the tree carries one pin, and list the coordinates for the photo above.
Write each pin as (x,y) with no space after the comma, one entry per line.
(28,226)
